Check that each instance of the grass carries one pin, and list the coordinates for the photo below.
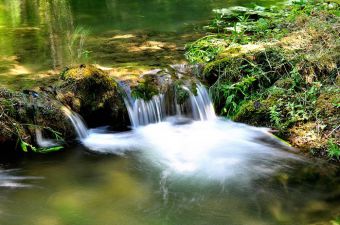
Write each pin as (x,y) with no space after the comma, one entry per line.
(333,149)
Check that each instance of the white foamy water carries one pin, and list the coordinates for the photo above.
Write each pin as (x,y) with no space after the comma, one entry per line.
(214,149)
(197,145)
(77,122)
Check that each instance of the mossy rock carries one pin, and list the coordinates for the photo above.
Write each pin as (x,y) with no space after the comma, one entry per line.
(255,113)
(306,137)
(93,94)
(150,84)
(228,66)
(171,79)
(23,113)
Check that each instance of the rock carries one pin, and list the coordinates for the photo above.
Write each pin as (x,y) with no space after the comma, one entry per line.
(24,112)
(93,94)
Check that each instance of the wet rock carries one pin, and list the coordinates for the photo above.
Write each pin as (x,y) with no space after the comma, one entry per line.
(171,79)
(23,112)
(93,94)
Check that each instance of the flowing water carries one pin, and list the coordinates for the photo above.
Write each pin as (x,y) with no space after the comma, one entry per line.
(175,170)
(182,166)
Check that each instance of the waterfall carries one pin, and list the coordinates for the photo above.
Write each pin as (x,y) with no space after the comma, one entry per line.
(44,142)
(145,112)
(201,104)
(77,122)
(156,110)
(178,132)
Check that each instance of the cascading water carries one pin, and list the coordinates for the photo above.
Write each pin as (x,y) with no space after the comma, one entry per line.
(145,112)
(201,104)
(191,141)
(196,107)
(77,122)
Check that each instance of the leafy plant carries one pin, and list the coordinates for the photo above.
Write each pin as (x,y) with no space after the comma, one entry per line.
(333,150)
(75,45)
(205,49)
(235,93)
(26,147)
(275,115)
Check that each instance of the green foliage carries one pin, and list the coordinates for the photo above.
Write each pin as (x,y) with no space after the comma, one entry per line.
(275,115)
(144,90)
(205,49)
(25,147)
(234,94)
(75,45)
(181,94)
(238,35)
(336,221)
(333,150)
(288,80)
(295,106)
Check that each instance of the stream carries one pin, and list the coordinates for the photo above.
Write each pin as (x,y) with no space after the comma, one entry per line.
(185,168)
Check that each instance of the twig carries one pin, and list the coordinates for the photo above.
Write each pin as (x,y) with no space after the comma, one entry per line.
(332,131)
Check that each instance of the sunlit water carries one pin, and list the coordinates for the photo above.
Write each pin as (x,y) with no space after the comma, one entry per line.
(176,172)
(39,35)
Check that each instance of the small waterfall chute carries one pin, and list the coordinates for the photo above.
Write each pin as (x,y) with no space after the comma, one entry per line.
(44,142)
(197,106)
(178,131)
(77,122)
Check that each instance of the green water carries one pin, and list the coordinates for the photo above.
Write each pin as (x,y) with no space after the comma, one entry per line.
(86,189)
(40,35)
(83,188)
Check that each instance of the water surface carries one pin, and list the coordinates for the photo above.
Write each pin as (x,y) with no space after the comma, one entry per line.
(41,35)
(85,188)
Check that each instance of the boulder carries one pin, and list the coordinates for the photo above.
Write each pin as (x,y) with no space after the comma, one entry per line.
(95,95)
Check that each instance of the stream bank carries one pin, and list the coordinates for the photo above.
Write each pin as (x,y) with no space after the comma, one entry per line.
(277,68)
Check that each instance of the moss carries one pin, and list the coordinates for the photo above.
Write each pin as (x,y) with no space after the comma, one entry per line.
(305,137)
(96,96)
(256,112)
(284,83)
(23,113)
(145,90)
(294,60)
(328,102)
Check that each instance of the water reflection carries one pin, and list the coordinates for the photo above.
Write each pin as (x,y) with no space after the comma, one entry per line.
(80,188)
(40,33)
(50,34)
